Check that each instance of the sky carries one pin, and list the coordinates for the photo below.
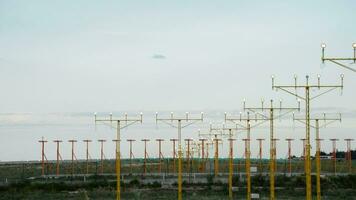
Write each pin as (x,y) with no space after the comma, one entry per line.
(86,56)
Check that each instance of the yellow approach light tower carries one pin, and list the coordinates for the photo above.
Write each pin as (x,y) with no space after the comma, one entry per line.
(202,155)
(240,121)
(210,136)
(338,60)
(215,141)
(188,153)
(160,154)
(324,122)
(116,141)
(118,125)
(59,157)
(308,88)
(260,140)
(174,154)
(102,155)
(74,157)
(348,156)
(131,153)
(289,140)
(333,140)
(87,155)
(43,156)
(180,123)
(231,150)
(145,156)
(271,116)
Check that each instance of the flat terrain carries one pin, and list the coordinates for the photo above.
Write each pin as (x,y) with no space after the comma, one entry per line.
(23,180)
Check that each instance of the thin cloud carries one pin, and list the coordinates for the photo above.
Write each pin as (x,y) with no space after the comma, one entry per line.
(158,56)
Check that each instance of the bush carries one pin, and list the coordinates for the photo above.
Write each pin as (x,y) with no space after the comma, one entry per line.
(134,183)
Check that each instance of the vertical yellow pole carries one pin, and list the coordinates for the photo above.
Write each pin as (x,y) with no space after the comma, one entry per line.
(304,153)
(72,157)
(334,153)
(216,163)
(349,141)
(318,189)
(260,155)
(308,164)
(43,156)
(58,156)
(188,155)
(174,155)
(275,154)
(145,157)
(117,150)
(248,161)
(118,163)
(179,161)
(289,156)
(57,170)
(202,156)
(102,155)
(348,154)
(272,160)
(230,165)
(131,154)
(159,155)
(87,156)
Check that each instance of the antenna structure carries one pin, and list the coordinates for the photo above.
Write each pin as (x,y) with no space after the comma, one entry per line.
(304,152)
(289,140)
(307,87)
(145,156)
(73,155)
(334,140)
(174,153)
(325,121)
(116,142)
(260,140)
(102,155)
(240,121)
(348,154)
(87,155)
(131,153)
(230,135)
(160,154)
(189,140)
(118,125)
(202,155)
(274,141)
(176,122)
(215,141)
(271,116)
(43,155)
(59,157)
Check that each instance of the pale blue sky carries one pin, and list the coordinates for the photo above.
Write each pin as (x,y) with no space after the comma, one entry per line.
(88,55)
